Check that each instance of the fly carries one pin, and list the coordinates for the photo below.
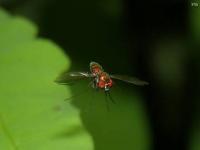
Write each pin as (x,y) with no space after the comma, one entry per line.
(99,78)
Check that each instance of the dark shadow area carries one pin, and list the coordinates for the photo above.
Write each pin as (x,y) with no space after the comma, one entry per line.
(119,125)
(160,31)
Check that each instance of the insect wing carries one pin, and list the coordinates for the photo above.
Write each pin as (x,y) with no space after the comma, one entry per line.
(70,77)
(129,79)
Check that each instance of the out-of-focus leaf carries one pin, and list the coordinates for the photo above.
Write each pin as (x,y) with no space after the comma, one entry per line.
(195,36)
(28,94)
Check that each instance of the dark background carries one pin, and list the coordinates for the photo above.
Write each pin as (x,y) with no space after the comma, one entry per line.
(157,41)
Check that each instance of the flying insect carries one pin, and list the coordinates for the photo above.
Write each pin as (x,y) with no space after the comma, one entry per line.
(99,78)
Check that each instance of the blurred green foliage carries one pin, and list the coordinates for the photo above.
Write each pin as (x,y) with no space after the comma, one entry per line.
(194,142)
(33,114)
(29,97)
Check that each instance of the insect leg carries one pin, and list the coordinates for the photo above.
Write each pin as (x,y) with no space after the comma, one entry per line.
(83,92)
(107,102)
(109,95)
(91,83)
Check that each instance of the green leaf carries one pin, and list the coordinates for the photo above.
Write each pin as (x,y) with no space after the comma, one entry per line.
(28,94)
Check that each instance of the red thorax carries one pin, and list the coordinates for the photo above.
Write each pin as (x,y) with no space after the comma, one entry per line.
(104,80)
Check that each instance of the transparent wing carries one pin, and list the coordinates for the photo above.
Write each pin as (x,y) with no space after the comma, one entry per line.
(70,77)
(129,79)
